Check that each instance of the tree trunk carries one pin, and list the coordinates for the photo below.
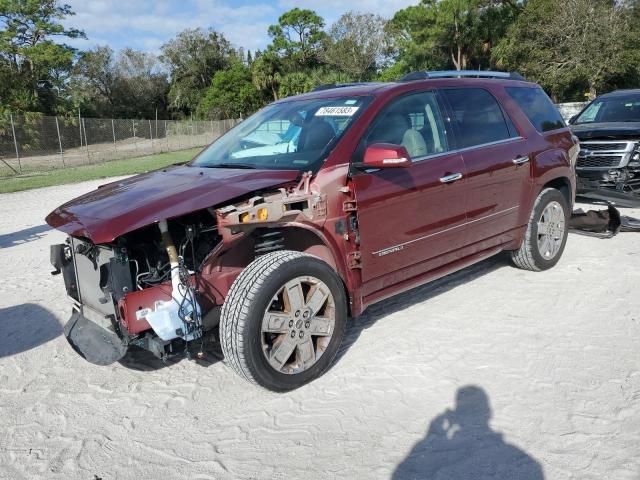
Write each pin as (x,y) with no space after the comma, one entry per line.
(593,93)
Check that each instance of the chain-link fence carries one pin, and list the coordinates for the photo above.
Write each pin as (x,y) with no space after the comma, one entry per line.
(36,143)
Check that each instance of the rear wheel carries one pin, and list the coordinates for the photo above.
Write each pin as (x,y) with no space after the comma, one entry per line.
(283,320)
(546,234)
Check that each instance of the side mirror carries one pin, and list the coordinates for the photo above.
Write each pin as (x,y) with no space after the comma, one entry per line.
(386,155)
(573,119)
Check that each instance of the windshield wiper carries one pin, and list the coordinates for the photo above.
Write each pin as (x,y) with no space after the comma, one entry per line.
(231,165)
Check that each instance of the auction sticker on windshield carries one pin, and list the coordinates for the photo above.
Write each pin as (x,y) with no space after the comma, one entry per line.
(336,111)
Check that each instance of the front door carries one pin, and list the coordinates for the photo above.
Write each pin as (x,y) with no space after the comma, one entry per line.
(409,217)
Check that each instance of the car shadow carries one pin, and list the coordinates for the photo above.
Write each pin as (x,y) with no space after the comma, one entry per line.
(420,294)
(460,444)
(143,360)
(23,236)
(26,326)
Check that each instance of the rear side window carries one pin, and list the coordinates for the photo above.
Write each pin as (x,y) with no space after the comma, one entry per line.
(478,117)
(538,108)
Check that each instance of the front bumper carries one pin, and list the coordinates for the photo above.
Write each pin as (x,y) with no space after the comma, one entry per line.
(95,343)
(619,186)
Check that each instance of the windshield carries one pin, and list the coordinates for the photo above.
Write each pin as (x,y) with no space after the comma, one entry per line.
(619,108)
(291,135)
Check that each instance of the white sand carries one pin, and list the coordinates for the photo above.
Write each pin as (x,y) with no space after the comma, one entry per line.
(556,353)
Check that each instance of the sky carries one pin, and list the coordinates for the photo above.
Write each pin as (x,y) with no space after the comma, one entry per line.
(147,24)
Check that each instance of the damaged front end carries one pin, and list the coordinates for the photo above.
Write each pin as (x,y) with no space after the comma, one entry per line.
(161,287)
(609,170)
(140,290)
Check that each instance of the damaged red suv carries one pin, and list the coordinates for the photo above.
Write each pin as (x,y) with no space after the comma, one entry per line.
(309,211)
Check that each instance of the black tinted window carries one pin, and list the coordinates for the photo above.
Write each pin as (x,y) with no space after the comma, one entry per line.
(538,108)
(478,116)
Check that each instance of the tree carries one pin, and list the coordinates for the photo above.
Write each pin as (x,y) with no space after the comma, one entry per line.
(129,84)
(193,58)
(231,94)
(455,34)
(27,51)
(357,44)
(297,37)
(561,45)
(266,72)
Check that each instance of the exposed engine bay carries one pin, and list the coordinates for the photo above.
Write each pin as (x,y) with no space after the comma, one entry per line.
(154,287)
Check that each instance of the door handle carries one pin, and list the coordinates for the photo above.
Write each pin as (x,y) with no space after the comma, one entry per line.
(451,178)
(520,160)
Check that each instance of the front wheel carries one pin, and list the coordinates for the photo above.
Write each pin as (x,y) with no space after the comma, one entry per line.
(283,320)
(546,234)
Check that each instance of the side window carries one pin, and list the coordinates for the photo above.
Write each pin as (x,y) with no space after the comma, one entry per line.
(413,121)
(538,108)
(478,116)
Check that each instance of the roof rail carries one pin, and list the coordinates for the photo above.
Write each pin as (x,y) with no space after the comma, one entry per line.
(328,86)
(409,77)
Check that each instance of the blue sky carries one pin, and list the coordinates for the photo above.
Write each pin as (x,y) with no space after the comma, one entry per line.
(147,24)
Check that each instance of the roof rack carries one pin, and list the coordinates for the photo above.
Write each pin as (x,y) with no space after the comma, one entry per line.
(409,77)
(328,86)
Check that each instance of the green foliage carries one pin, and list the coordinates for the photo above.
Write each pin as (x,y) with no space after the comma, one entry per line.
(357,45)
(232,94)
(193,58)
(33,65)
(297,37)
(570,47)
(451,34)
(266,71)
(127,85)
(574,43)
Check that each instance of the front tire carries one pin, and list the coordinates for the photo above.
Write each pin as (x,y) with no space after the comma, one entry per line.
(546,235)
(283,320)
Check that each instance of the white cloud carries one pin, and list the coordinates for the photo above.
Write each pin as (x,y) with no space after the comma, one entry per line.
(147,24)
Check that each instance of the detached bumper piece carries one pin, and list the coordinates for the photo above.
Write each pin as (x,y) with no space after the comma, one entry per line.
(93,342)
(602,223)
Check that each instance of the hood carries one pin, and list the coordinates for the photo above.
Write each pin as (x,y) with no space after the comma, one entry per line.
(613,130)
(121,207)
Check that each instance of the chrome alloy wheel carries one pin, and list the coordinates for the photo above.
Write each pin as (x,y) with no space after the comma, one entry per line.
(298,324)
(551,230)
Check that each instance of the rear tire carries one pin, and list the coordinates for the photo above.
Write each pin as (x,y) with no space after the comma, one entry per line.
(546,235)
(283,320)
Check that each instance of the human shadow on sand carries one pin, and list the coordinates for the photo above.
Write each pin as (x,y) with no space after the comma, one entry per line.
(460,445)
(23,236)
(26,326)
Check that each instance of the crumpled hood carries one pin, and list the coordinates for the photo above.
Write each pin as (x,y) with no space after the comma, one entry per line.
(611,130)
(126,205)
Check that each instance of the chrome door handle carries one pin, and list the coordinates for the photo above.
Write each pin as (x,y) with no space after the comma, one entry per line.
(451,178)
(520,160)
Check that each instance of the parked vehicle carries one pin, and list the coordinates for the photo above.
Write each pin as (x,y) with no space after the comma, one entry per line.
(608,165)
(380,188)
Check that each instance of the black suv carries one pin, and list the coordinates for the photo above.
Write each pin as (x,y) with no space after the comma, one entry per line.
(608,166)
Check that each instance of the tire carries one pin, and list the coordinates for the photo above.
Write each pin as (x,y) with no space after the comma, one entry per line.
(286,283)
(532,255)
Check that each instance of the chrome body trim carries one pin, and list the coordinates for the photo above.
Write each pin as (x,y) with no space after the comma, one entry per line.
(399,247)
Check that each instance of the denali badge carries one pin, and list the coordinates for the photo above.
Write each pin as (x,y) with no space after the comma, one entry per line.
(387,251)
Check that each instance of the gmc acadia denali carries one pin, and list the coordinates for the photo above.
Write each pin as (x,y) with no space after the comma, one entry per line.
(309,211)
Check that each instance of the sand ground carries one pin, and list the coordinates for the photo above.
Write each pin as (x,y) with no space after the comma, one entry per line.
(491,372)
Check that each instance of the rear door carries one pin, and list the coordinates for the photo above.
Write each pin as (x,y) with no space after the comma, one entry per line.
(498,178)
(409,217)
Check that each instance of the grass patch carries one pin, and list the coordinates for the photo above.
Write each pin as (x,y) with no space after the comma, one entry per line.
(114,168)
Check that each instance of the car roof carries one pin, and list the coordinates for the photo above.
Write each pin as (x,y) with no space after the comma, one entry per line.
(380,88)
